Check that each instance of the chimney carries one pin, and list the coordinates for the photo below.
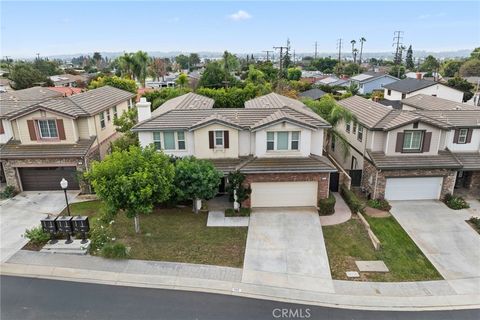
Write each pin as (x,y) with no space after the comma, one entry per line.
(143,109)
(419,76)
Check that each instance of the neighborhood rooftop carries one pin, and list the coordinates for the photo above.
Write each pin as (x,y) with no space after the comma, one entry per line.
(408,85)
(428,102)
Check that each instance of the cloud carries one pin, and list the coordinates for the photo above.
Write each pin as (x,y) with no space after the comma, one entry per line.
(240,15)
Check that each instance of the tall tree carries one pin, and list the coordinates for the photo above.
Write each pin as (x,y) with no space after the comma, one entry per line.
(362,40)
(183,61)
(117,82)
(462,85)
(430,64)
(24,76)
(141,60)
(451,68)
(193,59)
(158,68)
(126,64)
(98,58)
(409,59)
(470,68)
(355,52)
(182,80)
(353,42)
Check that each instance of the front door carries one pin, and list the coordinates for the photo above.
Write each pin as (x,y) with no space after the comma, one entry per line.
(221,187)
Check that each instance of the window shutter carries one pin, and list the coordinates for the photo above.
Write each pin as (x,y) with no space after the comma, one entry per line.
(61,129)
(210,139)
(426,142)
(226,139)
(455,136)
(399,145)
(469,136)
(2,130)
(31,130)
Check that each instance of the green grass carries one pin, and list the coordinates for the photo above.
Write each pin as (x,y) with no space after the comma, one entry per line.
(349,241)
(176,235)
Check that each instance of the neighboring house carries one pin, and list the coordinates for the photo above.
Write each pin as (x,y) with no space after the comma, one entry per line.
(276,141)
(313,94)
(408,87)
(66,91)
(370,81)
(4,85)
(68,80)
(48,137)
(333,81)
(411,154)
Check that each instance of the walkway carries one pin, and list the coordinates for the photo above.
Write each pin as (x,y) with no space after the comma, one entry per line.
(218,219)
(285,248)
(342,212)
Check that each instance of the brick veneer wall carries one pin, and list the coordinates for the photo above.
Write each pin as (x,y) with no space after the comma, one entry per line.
(323,179)
(372,176)
(474,183)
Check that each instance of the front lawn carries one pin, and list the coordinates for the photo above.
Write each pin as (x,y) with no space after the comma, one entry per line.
(349,242)
(176,235)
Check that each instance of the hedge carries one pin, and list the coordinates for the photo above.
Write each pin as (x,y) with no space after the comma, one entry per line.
(355,204)
(326,206)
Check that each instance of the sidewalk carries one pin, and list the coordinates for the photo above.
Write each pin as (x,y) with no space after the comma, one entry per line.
(428,295)
(342,212)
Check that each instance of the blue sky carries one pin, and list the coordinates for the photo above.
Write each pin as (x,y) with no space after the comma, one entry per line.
(67,27)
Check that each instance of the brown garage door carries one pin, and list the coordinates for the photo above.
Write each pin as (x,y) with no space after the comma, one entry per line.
(48,178)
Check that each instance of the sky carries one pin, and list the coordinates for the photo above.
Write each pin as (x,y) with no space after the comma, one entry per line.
(68,27)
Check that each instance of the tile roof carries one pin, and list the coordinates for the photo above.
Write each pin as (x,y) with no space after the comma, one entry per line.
(469,160)
(398,118)
(454,118)
(15,150)
(227,165)
(444,159)
(66,91)
(12,101)
(216,117)
(367,112)
(369,76)
(188,101)
(96,100)
(408,85)
(428,102)
(312,94)
(288,164)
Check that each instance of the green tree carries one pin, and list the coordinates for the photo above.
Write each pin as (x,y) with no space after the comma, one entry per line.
(409,59)
(334,114)
(98,58)
(475,53)
(470,68)
(236,187)
(462,85)
(255,75)
(196,179)
(124,124)
(114,81)
(430,64)
(126,65)
(325,65)
(214,76)
(158,97)
(230,62)
(294,74)
(450,68)
(270,72)
(46,67)
(353,88)
(362,40)
(140,67)
(351,69)
(193,59)
(397,71)
(183,61)
(133,181)
(25,76)
(182,80)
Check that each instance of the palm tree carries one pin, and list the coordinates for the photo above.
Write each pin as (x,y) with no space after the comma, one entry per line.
(140,65)
(355,51)
(362,40)
(334,114)
(125,64)
(353,45)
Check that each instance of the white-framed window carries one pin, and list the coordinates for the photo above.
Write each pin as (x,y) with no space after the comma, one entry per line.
(115,113)
(462,135)
(169,140)
(108,114)
(347,127)
(360,133)
(102,120)
(412,140)
(130,104)
(283,140)
(354,128)
(47,129)
(219,139)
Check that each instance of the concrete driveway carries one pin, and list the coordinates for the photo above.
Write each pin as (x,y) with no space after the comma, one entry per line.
(285,248)
(444,237)
(25,211)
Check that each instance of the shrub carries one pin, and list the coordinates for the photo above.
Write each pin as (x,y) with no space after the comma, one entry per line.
(114,250)
(37,235)
(475,222)
(8,192)
(455,202)
(243,212)
(355,204)
(100,235)
(326,206)
(380,204)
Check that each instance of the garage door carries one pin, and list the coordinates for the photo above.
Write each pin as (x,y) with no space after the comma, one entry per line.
(413,188)
(284,194)
(47,178)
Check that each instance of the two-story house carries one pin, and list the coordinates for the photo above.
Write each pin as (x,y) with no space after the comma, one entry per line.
(276,141)
(410,154)
(369,81)
(48,138)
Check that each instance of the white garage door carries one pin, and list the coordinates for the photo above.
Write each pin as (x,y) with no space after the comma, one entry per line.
(284,194)
(413,188)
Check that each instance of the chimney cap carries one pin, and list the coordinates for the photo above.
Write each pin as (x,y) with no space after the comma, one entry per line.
(143,99)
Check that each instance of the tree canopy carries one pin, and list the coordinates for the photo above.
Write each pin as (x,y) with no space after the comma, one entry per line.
(25,76)
(114,81)
(471,68)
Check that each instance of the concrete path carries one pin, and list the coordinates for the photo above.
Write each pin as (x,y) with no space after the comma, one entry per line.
(445,238)
(342,212)
(474,209)
(25,211)
(285,248)
(218,219)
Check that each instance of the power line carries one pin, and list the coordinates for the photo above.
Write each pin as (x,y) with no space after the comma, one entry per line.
(281,57)
(268,53)
(397,42)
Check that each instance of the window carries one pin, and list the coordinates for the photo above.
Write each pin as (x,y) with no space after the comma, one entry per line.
(347,127)
(360,133)
(115,114)
(218,139)
(156,141)
(181,140)
(404,95)
(354,129)
(283,140)
(102,120)
(47,129)
(169,140)
(108,114)
(412,140)
(389,92)
(462,135)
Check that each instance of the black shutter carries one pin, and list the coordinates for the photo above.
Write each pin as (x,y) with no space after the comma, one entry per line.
(426,142)
(399,145)
(469,136)
(210,140)
(226,138)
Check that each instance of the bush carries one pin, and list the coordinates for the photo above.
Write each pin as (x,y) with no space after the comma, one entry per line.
(8,192)
(326,206)
(100,235)
(475,222)
(455,202)
(243,212)
(37,236)
(355,204)
(114,251)
(380,204)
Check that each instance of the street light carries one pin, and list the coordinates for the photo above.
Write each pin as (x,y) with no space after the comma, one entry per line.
(64,185)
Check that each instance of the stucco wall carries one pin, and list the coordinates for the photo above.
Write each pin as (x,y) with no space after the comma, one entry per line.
(24,135)
(202,149)
(434,143)
(474,144)
(304,143)
(8,132)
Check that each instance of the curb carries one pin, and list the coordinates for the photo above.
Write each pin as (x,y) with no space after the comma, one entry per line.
(377,303)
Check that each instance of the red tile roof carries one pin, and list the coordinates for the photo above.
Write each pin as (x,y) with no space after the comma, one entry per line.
(66,91)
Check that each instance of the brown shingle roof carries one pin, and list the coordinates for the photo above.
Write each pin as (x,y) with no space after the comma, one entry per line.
(444,159)
(15,150)
(288,164)
(427,102)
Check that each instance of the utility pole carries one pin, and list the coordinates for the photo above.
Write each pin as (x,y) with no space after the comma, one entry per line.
(339,47)
(397,43)
(281,57)
(267,52)
(293,57)
(315,50)
(38,56)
